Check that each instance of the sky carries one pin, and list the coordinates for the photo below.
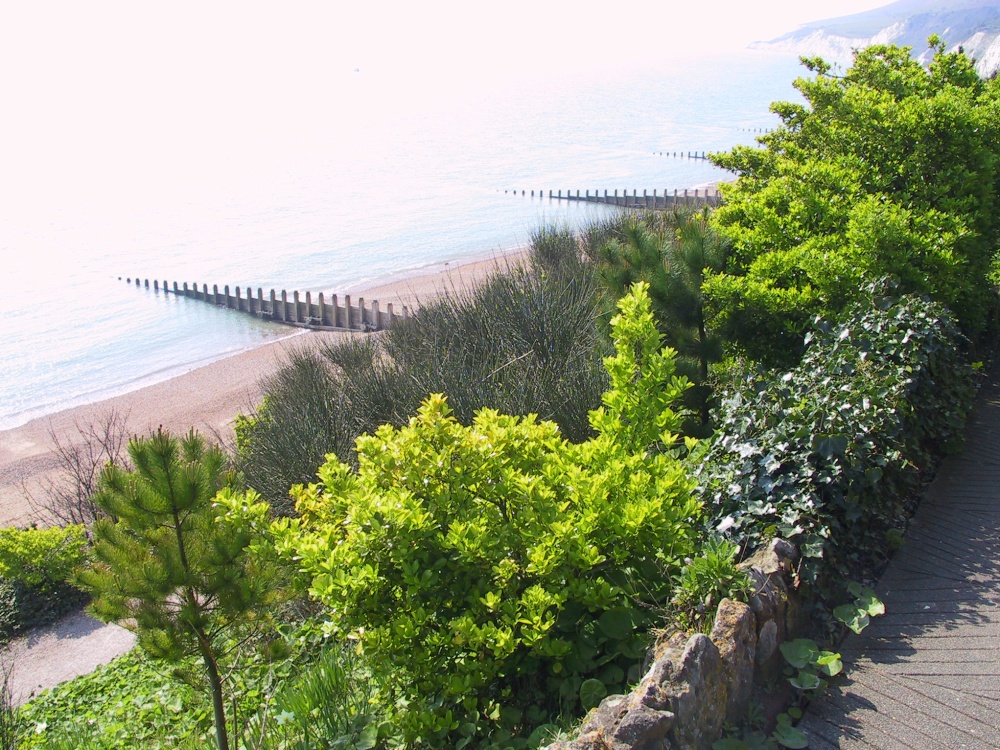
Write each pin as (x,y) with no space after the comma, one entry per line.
(82,82)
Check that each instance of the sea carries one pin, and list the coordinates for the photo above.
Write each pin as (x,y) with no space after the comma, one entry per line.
(394,182)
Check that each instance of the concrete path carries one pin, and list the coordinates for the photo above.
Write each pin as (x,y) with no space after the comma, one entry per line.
(927,673)
(73,646)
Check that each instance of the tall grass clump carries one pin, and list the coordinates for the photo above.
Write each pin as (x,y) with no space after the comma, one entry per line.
(524,341)
(301,419)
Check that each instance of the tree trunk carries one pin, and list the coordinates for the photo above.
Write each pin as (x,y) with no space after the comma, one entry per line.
(218,701)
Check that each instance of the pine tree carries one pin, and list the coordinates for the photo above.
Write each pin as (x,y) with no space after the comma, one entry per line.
(179,565)
(672,252)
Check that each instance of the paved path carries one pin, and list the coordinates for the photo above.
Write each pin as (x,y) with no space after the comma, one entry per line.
(926,675)
(73,646)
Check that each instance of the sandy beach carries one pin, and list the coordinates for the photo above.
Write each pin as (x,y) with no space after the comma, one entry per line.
(207,398)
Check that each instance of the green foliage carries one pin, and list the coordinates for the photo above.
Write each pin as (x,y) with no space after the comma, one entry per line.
(888,170)
(705,581)
(12,724)
(671,252)
(857,614)
(492,570)
(128,703)
(636,412)
(186,562)
(35,568)
(134,701)
(827,454)
(331,703)
(24,607)
(42,558)
(525,341)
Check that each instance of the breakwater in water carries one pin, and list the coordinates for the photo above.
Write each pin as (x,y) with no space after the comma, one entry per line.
(693,197)
(296,310)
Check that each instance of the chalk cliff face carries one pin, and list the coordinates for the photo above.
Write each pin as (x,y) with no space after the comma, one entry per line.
(972,24)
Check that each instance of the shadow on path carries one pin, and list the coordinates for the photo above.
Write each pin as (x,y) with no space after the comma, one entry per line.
(927,673)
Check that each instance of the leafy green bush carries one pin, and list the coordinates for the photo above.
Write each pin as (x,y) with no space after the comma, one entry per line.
(35,568)
(828,454)
(672,251)
(497,573)
(42,558)
(887,170)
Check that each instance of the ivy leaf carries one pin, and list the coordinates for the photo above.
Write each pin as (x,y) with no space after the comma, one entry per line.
(592,692)
(788,736)
(870,603)
(616,623)
(805,681)
(829,446)
(853,617)
(830,664)
(800,652)
(368,738)
(542,735)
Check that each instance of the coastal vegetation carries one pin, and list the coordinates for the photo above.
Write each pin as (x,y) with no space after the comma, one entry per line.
(889,170)
(525,341)
(492,507)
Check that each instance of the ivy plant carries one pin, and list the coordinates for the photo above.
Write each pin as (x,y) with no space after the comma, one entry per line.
(828,454)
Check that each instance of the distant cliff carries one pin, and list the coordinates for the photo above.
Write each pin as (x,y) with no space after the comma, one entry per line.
(972,24)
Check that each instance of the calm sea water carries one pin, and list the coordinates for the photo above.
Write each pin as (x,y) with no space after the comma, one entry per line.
(393,189)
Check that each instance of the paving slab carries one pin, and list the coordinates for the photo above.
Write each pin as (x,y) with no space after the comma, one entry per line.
(926,675)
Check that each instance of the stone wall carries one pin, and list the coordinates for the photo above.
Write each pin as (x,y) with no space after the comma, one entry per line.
(697,684)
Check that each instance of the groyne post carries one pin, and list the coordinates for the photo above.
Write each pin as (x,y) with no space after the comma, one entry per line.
(335,314)
(347,311)
(322,310)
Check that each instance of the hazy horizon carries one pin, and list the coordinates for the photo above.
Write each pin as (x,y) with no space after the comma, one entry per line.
(166,98)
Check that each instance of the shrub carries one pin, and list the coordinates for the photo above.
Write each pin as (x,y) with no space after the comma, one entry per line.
(888,169)
(524,342)
(828,454)
(42,558)
(35,568)
(501,575)
(185,563)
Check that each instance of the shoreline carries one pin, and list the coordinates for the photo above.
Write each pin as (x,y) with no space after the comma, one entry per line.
(206,397)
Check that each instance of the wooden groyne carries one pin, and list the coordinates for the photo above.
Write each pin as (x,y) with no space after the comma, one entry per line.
(297,310)
(693,197)
(682,154)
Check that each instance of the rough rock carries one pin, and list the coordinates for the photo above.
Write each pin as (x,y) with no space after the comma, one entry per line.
(694,685)
(698,684)
(769,570)
(735,635)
